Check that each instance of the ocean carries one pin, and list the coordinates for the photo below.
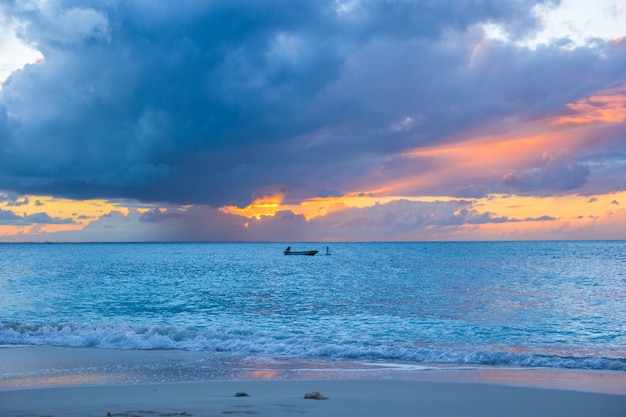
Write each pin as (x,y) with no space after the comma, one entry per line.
(131,313)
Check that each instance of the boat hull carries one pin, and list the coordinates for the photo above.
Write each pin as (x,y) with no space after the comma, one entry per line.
(305,252)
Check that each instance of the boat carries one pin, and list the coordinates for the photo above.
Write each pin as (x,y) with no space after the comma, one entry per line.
(288,251)
(302,252)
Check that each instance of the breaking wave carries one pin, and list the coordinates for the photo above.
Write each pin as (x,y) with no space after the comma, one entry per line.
(253,342)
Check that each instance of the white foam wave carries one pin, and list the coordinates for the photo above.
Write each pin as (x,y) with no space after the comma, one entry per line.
(250,342)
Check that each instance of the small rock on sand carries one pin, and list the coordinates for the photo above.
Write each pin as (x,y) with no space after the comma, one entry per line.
(314,396)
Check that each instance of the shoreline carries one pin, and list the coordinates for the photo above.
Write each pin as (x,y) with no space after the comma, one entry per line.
(367,398)
(35,367)
(38,381)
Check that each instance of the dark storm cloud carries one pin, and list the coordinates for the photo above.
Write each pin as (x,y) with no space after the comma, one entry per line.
(217,102)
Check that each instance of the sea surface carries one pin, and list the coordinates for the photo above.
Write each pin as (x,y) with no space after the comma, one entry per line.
(108,313)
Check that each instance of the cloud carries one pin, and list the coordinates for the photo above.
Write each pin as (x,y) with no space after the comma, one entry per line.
(220,102)
(470,191)
(8,218)
(552,176)
(195,224)
(158,215)
(396,220)
(13,199)
(65,27)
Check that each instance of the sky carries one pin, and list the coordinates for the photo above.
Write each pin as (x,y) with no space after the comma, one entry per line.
(299,121)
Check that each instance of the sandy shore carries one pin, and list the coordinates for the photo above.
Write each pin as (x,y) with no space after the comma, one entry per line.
(286,398)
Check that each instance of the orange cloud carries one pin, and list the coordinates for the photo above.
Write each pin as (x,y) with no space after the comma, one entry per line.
(264,206)
(491,151)
(81,213)
(608,106)
(486,157)
(24,233)
(573,208)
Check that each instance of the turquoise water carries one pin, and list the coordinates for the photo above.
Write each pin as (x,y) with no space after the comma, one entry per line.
(528,304)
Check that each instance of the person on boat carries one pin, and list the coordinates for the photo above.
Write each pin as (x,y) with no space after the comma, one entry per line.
(288,249)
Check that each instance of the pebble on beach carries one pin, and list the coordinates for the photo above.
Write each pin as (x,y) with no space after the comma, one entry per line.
(314,396)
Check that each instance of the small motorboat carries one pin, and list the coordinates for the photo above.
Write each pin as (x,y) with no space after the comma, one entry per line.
(288,251)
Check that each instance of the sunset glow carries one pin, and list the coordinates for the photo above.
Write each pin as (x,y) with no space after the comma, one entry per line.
(266,206)
(607,106)
(480,125)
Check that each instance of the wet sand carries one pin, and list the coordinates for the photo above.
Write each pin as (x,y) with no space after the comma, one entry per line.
(286,398)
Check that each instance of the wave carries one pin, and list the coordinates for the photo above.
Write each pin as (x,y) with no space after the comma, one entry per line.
(253,342)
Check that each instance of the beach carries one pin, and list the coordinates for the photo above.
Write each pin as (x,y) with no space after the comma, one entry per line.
(366,398)
(279,387)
